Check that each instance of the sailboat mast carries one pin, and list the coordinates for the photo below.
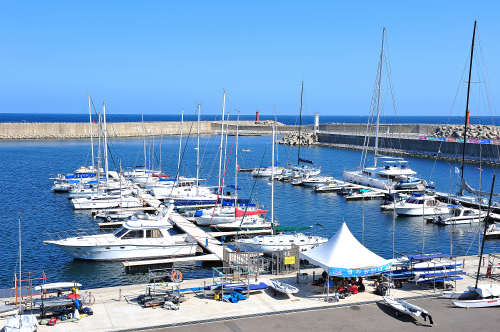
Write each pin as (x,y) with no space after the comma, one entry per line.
(144,139)
(105,142)
(91,135)
(467,105)
(272,183)
(224,169)
(198,153)
(99,151)
(180,142)
(379,94)
(236,162)
(20,269)
(221,139)
(276,120)
(486,221)
(300,120)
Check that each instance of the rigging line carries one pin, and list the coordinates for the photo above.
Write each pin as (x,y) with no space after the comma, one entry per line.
(486,80)
(449,116)
(213,146)
(253,187)
(183,152)
(391,88)
(119,146)
(222,183)
(171,146)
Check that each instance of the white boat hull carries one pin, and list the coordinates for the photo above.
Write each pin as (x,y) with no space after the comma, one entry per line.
(251,247)
(358,178)
(124,251)
(418,211)
(465,295)
(481,303)
(282,287)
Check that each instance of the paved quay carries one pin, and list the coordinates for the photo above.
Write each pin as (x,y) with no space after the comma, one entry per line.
(306,309)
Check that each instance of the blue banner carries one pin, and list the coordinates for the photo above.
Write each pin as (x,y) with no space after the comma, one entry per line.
(338,272)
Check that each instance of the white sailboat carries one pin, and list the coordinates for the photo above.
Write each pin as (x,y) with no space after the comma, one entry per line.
(300,170)
(279,241)
(395,172)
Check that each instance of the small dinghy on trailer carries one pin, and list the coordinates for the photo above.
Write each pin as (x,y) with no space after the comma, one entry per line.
(407,308)
(282,287)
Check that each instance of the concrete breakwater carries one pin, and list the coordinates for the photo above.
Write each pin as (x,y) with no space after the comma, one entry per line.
(129,129)
(413,145)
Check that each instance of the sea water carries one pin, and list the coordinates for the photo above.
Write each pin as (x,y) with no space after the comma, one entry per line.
(27,165)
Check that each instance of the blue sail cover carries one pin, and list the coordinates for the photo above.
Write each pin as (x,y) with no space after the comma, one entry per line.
(232,187)
(275,165)
(305,161)
(79,176)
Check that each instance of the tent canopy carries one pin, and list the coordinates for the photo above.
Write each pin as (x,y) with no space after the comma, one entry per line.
(344,256)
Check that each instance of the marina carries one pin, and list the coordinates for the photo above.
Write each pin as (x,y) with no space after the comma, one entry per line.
(163,175)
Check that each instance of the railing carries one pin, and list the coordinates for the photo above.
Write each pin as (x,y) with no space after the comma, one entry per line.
(278,262)
(62,235)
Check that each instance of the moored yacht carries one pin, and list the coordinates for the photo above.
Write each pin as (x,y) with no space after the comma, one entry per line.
(459,215)
(421,205)
(137,239)
(279,242)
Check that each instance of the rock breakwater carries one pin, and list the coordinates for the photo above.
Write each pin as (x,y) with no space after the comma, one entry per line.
(473,132)
(294,139)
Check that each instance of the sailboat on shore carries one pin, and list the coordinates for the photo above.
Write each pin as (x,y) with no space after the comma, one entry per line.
(395,173)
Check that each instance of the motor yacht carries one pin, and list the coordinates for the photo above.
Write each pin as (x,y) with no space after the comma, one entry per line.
(136,239)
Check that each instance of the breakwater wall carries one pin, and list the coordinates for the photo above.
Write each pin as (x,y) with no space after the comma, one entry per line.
(127,129)
(412,143)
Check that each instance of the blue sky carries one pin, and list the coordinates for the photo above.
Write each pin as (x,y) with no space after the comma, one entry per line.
(158,57)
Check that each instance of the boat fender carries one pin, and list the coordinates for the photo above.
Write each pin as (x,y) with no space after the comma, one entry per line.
(176,275)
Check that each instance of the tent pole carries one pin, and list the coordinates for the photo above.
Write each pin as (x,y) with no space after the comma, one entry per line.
(327,283)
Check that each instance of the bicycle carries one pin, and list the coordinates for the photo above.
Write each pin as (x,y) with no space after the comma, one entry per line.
(88,299)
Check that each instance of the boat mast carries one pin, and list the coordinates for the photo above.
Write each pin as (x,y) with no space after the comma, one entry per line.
(272,184)
(99,151)
(300,120)
(486,221)
(91,135)
(180,142)
(381,66)
(198,153)
(467,109)
(20,273)
(221,139)
(144,139)
(105,142)
(236,162)
(224,172)
(276,120)
(161,138)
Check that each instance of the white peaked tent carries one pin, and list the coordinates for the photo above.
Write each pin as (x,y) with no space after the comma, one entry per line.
(344,256)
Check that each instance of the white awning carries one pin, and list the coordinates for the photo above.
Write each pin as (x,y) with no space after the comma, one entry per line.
(343,255)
